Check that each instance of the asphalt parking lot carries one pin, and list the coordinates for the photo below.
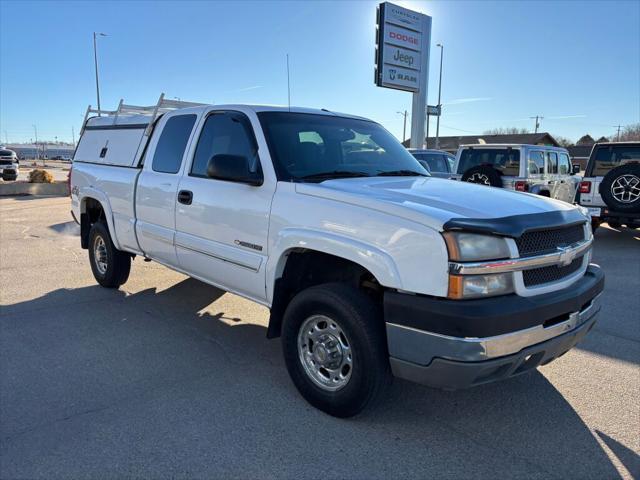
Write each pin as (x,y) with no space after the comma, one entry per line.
(169,377)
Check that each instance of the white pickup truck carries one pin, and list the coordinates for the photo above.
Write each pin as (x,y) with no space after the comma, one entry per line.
(370,268)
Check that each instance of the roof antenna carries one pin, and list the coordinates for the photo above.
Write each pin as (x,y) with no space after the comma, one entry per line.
(288,86)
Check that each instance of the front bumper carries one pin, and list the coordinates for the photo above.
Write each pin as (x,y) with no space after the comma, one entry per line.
(440,359)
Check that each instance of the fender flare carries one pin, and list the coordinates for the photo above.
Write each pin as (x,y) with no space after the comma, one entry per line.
(375,260)
(101,197)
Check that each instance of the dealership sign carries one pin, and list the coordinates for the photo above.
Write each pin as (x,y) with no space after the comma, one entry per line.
(402,44)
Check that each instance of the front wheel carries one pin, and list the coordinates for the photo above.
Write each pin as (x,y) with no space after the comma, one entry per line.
(335,349)
(109,265)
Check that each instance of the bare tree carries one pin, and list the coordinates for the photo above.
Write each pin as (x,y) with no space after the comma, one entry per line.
(563,141)
(630,133)
(506,131)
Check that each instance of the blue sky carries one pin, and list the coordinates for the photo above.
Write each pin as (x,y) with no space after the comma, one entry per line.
(576,63)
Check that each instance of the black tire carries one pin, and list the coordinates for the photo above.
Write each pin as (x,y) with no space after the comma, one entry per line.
(10,178)
(361,321)
(116,263)
(483,175)
(620,188)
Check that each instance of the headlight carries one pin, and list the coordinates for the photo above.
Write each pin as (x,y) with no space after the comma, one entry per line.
(475,286)
(473,247)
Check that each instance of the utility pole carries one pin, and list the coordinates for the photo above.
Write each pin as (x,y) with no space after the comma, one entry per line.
(6,138)
(404,126)
(439,94)
(73,136)
(95,61)
(618,127)
(538,118)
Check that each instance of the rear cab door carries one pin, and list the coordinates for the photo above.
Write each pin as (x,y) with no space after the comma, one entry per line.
(568,181)
(157,186)
(551,175)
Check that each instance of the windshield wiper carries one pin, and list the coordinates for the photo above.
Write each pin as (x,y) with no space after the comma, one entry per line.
(333,174)
(402,173)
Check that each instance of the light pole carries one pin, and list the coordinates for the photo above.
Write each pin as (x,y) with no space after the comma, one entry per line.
(404,127)
(35,129)
(439,95)
(95,61)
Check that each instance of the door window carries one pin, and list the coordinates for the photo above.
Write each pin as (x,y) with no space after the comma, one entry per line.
(172,143)
(224,133)
(536,163)
(564,165)
(552,162)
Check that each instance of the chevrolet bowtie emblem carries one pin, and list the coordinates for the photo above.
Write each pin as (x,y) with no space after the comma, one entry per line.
(566,255)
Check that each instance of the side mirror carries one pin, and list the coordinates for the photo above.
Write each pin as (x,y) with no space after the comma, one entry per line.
(233,168)
(575,168)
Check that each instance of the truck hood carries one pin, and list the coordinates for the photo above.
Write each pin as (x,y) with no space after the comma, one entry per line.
(431,201)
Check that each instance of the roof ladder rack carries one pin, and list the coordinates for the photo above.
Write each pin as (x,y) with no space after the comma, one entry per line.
(154,111)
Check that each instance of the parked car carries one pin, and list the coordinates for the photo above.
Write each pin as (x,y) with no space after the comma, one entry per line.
(9,165)
(369,266)
(610,189)
(539,169)
(439,163)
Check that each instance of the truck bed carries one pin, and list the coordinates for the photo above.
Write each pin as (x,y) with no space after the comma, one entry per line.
(120,182)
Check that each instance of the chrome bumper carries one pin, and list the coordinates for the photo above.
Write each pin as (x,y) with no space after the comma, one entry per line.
(422,347)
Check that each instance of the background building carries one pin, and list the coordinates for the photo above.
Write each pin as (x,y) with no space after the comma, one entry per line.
(26,151)
(451,144)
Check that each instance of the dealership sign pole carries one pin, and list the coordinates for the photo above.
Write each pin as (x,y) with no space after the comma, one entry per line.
(402,59)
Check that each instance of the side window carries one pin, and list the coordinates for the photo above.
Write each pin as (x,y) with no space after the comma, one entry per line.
(224,133)
(536,163)
(552,162)
(173,140)
(564,165)
(451,160)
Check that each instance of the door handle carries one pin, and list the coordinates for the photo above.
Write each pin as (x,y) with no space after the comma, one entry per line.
(185,196)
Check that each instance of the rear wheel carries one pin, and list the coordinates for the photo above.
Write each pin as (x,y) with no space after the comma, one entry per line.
(109,265)
(335,349)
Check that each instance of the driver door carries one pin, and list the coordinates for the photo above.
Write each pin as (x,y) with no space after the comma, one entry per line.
(222,226)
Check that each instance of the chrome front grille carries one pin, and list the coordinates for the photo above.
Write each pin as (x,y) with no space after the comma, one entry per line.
(552,273)
(541,242)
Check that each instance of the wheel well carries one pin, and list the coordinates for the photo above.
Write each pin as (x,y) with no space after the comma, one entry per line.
(306,268)
(92,213)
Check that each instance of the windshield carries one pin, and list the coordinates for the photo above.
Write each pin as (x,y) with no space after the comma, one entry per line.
(506,160)
(6,153)
(608,157)
(310,147)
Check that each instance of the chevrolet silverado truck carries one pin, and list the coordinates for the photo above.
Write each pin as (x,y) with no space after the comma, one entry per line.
(370,267)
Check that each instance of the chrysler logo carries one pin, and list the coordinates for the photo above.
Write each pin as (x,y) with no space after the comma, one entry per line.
(566,255)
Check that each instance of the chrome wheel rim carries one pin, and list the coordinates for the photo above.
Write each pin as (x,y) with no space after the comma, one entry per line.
(479,178)
(100,254)
(325,352)
(626,188)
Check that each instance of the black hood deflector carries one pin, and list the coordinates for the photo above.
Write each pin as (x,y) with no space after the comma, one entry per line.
(514,226)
